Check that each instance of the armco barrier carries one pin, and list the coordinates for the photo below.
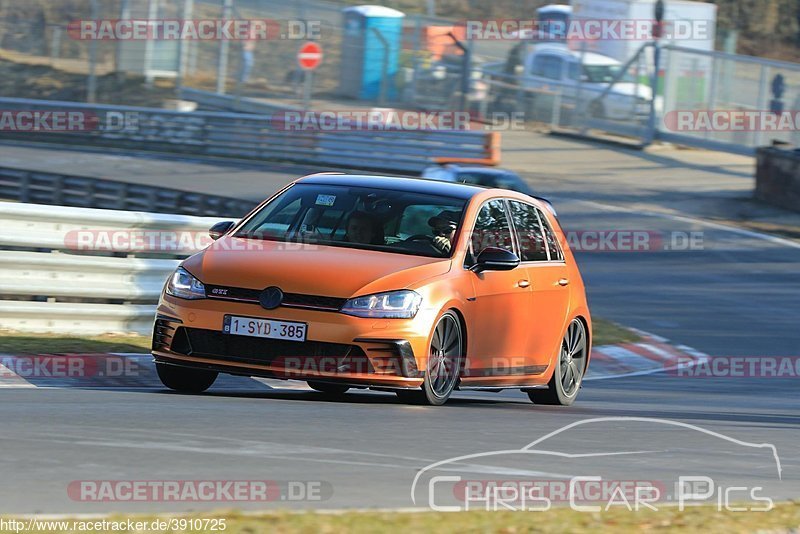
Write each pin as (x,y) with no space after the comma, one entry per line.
(87,192)
(207,100)
(61,270)
(251,136)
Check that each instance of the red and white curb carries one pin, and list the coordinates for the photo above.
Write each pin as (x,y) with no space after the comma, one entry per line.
(652,354)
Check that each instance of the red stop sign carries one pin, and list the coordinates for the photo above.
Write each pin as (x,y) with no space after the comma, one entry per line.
(309,56)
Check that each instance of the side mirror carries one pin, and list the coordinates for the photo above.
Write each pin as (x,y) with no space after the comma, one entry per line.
(495,259)
(220,229)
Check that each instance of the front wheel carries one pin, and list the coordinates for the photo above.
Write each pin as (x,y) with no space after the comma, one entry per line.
(444,363)
(570,366)
(185,379)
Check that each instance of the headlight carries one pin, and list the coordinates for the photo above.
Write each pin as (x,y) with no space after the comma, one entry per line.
(185,286)
(402,304)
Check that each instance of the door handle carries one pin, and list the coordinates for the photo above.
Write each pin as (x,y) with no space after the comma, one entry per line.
(523,283)
(563,282)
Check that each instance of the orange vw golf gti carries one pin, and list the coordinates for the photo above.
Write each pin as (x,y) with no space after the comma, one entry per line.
(395,284)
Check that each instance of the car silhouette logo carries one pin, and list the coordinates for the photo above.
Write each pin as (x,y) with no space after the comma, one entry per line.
(271,298)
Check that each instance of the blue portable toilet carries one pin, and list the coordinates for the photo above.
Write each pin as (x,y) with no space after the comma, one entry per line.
(363,52)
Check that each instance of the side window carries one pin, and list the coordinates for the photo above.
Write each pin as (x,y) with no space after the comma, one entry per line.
(529,232)
(574,70)
(548,66)
(491,228)
(537,67)
(556,254)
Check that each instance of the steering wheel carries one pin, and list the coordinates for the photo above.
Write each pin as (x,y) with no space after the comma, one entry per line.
(428,240)
(420,237)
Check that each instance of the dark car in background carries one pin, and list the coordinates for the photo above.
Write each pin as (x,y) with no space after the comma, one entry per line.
(478,175)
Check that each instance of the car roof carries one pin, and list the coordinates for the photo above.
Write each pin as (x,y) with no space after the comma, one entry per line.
(395,183)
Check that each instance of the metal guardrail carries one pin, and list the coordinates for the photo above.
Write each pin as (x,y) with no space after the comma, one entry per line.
(253,136)
(217,102)
(61,269)
(87,192)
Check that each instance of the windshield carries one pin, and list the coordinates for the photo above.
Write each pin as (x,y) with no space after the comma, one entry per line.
(359,217)
(604,73)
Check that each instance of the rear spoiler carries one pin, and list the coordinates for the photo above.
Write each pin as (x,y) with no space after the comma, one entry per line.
(548,204)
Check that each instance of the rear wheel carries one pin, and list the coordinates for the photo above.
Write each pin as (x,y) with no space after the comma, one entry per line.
(444,364)
(571,364)
(329,388)
(185,379)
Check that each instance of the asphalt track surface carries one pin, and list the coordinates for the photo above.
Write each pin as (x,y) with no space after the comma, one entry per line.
(738,295)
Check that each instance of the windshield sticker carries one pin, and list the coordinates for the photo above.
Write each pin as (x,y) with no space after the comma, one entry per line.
(325,200)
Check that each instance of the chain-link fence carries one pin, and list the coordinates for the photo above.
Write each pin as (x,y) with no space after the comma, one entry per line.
(415,62)
(729,99)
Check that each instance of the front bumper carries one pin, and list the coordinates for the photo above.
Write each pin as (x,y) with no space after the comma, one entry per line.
(339,348)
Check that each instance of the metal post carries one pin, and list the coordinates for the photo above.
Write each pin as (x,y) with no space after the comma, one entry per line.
(761,104)
(91,84)
(431,7)
(124,14)
(152,14)
(307,83)
(224,45)
(415,60)
(55,45)
(466,67)
(384,67)
(183,48)
(579,103)
(650,135)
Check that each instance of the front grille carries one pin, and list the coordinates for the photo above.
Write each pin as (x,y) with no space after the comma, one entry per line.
(308,355)
(290,300)
(233,293)
(312,301)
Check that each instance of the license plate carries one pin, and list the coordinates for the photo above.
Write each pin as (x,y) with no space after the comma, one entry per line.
(268,328)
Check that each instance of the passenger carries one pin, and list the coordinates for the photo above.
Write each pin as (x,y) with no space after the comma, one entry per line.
(364,228)
(444,229)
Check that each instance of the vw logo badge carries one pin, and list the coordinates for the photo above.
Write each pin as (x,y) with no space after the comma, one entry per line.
(271,298)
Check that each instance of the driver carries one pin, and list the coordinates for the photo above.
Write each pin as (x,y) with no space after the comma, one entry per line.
(364,228)
(444,227)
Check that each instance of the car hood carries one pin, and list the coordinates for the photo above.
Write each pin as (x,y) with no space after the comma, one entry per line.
(309,269)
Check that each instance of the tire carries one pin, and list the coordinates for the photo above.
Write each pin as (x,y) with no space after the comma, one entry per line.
(184,379)
(329,388)
(563,388)
(444,364)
